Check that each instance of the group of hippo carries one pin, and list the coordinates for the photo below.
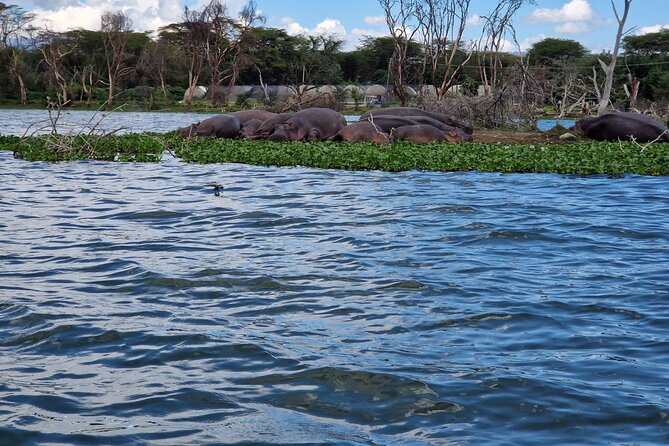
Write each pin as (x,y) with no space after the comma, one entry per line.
(322,124)
(391,124)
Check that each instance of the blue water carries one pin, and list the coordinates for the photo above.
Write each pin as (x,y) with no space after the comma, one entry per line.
(305,306)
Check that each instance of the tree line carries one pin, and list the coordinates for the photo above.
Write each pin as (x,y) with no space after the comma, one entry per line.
(424,46)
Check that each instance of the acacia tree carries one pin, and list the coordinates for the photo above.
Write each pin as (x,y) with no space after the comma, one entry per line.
(115,27)
(14,30)
(609,69)
(55,47)
(401,20)
(442,25)
(242,55)
(496,27)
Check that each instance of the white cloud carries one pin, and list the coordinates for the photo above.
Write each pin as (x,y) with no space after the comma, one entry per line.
(326,27)
(529,41)
(145,15)
(573,11)
(474,20)
(330,27)
(652,29)
(573,27)
(375,20)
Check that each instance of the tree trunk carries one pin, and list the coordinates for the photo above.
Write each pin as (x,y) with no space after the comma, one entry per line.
(110,98)
(609,69)
(635,83)
(22,89)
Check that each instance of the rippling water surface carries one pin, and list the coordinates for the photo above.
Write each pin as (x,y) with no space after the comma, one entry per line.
(304,306)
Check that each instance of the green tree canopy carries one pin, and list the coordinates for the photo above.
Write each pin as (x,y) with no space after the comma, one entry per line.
(651,44)
(549,50)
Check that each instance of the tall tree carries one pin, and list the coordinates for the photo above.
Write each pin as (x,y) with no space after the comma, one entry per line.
(400,17)
(442,26)
(497,25)
(115,27)
(14,23)
(55,47)
(610,68)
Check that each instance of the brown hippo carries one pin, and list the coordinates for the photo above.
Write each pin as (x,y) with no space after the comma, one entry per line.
(312,124)
(426,133)
(623,126)
(219,126)
(268,127)
(386,123)
(250,128)
(361,131)
(247,115)
(410,111)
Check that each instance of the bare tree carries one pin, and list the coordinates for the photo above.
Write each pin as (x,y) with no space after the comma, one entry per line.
(401,20)
(241,54)
(55,47)
(88,77)
(115,27)
(442,25)
(15,30)
(195,30)
(497,26)
(608,69)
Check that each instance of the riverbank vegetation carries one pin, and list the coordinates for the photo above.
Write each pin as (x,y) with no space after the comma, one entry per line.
(476,81)
(581,157)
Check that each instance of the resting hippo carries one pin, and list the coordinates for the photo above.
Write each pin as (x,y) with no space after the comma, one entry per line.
(623,126)
(410,111)
(220,126)
(361,131)
(387,123)
(427,133)
(311,124)
(268,127)
(247,115)
(250,128)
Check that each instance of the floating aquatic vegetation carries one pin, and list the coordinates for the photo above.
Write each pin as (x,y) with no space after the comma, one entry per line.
(590,157)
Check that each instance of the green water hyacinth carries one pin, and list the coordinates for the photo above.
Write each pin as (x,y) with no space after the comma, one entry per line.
(578,158)
(139,147)
(584,158)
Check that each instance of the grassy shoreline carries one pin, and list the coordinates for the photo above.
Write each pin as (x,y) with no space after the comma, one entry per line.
(583,158)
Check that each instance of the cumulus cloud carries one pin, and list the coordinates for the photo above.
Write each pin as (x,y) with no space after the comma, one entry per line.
(62,15)
(574,17)
(474,20)
(652,29)
(573,11)
(326,27)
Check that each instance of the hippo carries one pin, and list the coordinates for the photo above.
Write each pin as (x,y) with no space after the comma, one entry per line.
(623,126)
(312,124)
(219,126)
(410,111)
(247,115)
(250,128)
(268,127)
(386,123)
(426,133)
(361,131)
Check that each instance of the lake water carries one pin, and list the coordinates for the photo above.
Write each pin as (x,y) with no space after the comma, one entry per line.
(305,306)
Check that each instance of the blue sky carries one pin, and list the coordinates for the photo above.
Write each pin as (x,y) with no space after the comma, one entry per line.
(590,22)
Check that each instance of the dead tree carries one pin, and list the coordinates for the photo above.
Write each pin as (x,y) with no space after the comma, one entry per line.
(609,69)
(442,25)
(496,27)
(195,40)
(54,48)
(15,36)
(401,20)
(115,27)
